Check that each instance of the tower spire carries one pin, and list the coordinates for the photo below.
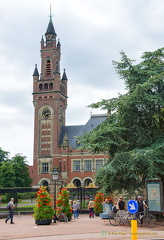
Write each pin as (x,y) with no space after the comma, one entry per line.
(50,14)
(50,29)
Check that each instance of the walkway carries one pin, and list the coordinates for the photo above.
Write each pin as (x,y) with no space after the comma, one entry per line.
(83,228)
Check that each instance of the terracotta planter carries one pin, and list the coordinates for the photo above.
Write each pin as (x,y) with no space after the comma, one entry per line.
(43,222)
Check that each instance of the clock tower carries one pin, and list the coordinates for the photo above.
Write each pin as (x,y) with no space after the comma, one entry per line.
(50,103)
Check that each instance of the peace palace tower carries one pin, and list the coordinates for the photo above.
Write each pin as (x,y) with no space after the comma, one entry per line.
(55,144)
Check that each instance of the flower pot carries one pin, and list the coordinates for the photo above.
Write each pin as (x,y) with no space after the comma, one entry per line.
(61,219)
(43,222)
(97,214)
(70,218)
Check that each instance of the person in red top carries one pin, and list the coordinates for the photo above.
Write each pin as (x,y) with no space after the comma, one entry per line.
(91,205)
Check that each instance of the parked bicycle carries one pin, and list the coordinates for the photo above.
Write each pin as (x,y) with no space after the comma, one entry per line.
(61,217)
(147,218)
(116,219)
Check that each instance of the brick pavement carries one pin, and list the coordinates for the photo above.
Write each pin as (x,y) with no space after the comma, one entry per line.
(83,228)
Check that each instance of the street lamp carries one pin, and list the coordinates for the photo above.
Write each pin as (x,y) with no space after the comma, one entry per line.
(55,176)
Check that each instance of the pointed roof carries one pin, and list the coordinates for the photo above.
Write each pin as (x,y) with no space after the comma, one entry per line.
(64,77)
(36,73)
(50,28)
(58,44)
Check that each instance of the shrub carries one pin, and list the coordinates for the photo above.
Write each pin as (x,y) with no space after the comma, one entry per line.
(99,198)
(43,209)
(63,203)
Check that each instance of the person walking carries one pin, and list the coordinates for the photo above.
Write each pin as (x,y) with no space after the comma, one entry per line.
(74,207)
(11,207)
(78,208)
(91,205)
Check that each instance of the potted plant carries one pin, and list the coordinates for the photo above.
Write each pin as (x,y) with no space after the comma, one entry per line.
(43,211)
(98,208)
(63,204)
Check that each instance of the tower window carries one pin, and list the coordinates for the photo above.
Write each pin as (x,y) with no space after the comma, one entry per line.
(40,87)
(51,86)
(48,68)
(46,86)
(60,166)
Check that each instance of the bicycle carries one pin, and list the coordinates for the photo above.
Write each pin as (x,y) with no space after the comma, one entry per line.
(146,217)
(115,219)
(61,217)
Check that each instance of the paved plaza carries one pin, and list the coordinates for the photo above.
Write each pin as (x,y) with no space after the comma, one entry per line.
(77,229)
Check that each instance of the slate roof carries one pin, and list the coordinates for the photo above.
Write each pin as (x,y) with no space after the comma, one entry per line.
(64,77)
(71,132)
(50,28)
(36,73)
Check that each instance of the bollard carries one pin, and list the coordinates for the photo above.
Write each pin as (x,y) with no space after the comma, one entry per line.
(134,229)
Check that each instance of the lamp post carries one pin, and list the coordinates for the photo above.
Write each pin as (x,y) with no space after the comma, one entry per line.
(55,176)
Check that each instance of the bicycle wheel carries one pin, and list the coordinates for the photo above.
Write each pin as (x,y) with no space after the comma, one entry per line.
(150,220)
(128,219)
(114,219)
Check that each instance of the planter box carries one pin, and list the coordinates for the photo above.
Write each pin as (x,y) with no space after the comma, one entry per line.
(97,214)
(104,215)
(43,222)
(61,219)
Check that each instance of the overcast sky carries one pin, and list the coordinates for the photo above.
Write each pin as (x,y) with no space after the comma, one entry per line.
(92,33)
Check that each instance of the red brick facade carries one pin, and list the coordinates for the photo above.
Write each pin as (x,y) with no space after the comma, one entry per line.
(50,103)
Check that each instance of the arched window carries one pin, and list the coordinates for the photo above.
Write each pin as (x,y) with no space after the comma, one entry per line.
(45,86)
(51,86)
(40,87)
(87,182)
(48,68)
(45,183)
(77,183)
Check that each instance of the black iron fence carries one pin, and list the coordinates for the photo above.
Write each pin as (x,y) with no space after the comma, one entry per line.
(83,194)
(24,198)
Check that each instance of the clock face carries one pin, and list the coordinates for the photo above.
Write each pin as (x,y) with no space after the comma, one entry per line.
(46,113)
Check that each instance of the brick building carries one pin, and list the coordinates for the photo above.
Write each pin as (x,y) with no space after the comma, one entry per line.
(55,144)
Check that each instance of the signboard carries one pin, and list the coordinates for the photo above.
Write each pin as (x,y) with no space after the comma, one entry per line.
(154,195)
(107,208)
(132,206)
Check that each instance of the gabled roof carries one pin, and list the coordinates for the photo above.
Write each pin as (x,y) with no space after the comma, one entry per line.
(78,130)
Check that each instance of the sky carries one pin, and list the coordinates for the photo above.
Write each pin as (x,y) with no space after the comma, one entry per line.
(92,34)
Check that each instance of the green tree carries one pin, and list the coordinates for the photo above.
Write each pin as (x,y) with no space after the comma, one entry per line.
(14,172)
(7,175)
(3,156)
(133,135)
(21,170)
